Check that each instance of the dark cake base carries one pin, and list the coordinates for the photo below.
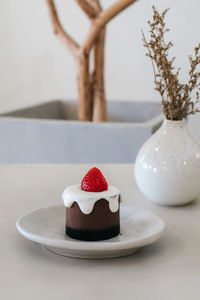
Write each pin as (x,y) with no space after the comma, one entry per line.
(93,235)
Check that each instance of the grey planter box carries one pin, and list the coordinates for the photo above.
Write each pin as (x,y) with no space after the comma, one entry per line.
(49,133)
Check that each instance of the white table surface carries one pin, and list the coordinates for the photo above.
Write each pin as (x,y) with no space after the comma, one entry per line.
(169,269)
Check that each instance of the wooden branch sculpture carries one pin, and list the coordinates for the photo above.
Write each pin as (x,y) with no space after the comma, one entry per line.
(92,102)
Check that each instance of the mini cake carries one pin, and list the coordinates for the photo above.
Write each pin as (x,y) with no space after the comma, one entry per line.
(92,208)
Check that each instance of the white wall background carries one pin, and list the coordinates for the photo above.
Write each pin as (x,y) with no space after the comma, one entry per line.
(35,67)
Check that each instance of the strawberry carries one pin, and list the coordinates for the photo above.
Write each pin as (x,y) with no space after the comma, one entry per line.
(94,181)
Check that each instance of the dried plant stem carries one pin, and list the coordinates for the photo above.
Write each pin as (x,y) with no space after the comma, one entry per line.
(92,100)
(91,9)
(103,18)
(99,100)
(152,62)
(176,97)
(64,37)
(84,104)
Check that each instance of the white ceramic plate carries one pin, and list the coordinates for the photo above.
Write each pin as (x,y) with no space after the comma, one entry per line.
(47,226)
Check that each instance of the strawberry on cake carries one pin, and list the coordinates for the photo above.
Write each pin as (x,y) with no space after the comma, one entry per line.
(92,208)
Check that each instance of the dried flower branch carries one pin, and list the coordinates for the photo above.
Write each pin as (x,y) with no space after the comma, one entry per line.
(176,97)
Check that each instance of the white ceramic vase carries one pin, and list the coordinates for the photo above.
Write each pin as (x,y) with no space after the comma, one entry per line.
(167,168)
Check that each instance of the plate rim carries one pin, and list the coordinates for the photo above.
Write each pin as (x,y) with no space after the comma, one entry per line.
(92,246)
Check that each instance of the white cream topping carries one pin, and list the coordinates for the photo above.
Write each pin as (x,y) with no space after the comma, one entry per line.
(87,200)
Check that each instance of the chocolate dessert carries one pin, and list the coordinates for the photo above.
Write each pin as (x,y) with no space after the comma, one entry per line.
(92,208)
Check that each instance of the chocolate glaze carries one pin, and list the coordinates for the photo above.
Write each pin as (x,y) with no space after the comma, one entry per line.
(100,218)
